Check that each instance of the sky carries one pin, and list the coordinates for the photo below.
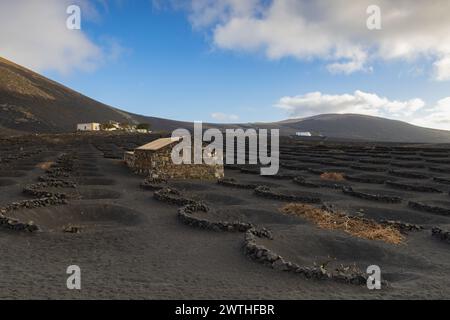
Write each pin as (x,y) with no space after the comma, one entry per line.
(242,60)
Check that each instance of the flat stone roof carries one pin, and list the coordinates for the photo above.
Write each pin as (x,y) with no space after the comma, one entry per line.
(158,144)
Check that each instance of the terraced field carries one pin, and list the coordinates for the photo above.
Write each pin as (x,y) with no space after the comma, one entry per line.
(69,199)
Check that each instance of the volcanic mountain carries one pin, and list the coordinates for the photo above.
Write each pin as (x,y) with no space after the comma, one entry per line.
(31,103)
(362,127)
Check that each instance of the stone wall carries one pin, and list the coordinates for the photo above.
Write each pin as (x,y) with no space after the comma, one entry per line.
(158,164)
(429,208)
(44,197)
(261,254)
(441,234)
(256,252)
(265,192)
(185,214)
(372,197)
(128,157)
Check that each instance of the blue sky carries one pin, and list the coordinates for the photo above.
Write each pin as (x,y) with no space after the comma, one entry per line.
(168,62)
(170,70)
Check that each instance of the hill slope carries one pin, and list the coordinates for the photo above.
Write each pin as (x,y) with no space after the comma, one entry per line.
(32,103)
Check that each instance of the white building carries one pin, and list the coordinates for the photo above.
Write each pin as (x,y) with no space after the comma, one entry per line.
(93,126)
(303,134)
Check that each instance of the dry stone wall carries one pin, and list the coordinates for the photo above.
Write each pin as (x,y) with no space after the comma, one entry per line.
(153,183)
(230,182)
(159,164)
(441,234)
(369,196)
(402,226)
(259,253)
(429,208)
(265,192)
(185,214)
(269,258)
(44,198)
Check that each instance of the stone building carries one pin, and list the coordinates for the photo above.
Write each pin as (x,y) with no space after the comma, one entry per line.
(154,159)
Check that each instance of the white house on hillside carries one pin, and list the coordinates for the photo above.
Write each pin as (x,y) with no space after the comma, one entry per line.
(303,134)
(93,126)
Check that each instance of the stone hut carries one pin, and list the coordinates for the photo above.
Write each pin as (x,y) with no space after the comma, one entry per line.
(154,159)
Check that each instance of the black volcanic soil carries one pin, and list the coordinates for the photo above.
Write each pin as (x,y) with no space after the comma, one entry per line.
(132,246)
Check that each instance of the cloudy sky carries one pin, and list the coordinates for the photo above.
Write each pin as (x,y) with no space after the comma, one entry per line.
(242,60)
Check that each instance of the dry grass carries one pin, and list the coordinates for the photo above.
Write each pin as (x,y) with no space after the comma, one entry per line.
(45,165)
(358,227)
(332,176)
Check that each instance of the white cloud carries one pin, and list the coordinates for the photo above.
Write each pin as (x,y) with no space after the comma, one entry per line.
(223,117)
(34,34)
(436,117)
(414,111)
(442,69)
(330,30)
(359,102)
(353,64)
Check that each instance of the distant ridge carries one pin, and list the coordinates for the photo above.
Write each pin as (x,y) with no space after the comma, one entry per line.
(356,126)
(31,103)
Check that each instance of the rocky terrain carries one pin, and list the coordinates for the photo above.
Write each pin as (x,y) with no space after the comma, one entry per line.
(69,199)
